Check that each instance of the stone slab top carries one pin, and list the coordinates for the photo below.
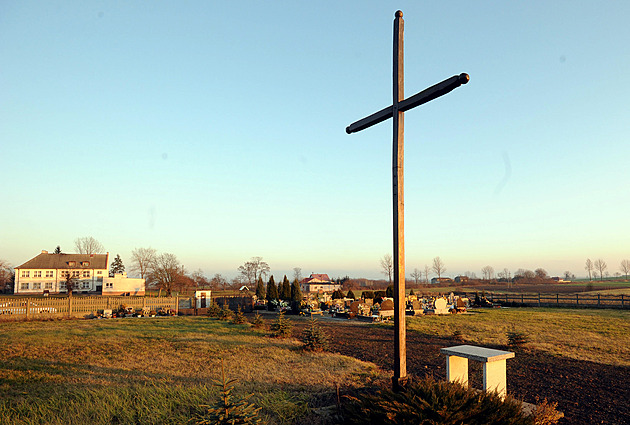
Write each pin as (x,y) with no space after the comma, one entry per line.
(479,354)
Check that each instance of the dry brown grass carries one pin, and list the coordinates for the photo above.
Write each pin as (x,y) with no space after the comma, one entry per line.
(601,336)
(162,366)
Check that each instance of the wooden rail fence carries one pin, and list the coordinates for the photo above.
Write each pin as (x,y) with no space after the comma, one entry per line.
(37,307)
(562,300)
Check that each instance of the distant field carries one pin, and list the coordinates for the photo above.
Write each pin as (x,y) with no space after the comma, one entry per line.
(601,336)
(501,288)
(150,371)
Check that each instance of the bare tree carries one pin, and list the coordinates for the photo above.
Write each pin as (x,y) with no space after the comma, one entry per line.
(523,275)
(625,267)
(199,279)
(426,273)
(504,274)
(141,261)
(6,276)
(166,272)
(88,245)
(541,273)
(487,272)
(601,266)
(589,268)
(438,267)
(70,283)
(253,269)
(416,275)
(218,282)
(297,273)
(387,266)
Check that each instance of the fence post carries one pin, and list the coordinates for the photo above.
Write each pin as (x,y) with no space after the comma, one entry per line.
(28,307)
(177,305)
(557,299)
(522,299)
(577,299)
(539,299)
(70,306)
(621,300)
(598,300)
(144,303)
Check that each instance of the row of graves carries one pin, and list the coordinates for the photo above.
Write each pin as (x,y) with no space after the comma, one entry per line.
(382,309)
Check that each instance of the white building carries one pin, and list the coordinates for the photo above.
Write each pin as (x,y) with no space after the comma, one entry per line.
(120,284)
(318,283)
(47,273)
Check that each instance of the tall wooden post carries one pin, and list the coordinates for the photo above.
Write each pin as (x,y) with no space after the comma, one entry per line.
(398,156)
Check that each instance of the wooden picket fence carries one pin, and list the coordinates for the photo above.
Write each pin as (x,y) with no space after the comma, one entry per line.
(562,300)
(39,307)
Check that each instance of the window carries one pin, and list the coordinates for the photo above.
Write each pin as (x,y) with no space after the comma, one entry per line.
(65,273)
(37,273)
(48,285)
(24,285)
(85,264)
(26,273)
(86,273)
(85,285)
(75,273)
(100,272)
(109,284)
(37,285)
(72,263)
(49,273)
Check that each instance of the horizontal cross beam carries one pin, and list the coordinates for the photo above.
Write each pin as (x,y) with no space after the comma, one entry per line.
(418,99)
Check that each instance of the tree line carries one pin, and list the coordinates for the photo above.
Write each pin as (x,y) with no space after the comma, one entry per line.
(539,275)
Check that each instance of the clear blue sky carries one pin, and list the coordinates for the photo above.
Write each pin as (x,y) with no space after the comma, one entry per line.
(216,132)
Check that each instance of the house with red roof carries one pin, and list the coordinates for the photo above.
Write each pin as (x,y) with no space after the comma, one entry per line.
(318,283)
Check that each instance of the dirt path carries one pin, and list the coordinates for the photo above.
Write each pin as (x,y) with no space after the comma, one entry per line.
(587,393)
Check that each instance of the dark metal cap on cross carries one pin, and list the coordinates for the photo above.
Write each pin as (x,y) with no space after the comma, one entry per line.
(396,111)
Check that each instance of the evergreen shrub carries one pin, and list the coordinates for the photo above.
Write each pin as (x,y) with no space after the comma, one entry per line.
(239,317)
(281,327)
(314,337)
(258,321)
(229,410)
(225,313)
(430,402)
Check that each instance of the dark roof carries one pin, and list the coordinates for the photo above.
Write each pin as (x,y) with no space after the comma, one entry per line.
(61,261)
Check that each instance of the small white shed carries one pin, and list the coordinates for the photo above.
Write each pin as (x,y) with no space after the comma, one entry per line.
(203,299)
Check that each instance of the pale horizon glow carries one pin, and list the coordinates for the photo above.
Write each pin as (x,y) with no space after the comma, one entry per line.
(217,133)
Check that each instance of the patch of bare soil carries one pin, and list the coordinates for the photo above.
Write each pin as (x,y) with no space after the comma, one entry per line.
(587,393)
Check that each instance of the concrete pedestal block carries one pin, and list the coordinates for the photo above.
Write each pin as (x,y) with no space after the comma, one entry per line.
(457,369)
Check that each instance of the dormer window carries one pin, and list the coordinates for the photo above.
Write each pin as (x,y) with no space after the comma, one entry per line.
(72,263)
(85,264)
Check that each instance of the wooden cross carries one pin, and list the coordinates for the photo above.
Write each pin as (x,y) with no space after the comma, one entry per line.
(396,112)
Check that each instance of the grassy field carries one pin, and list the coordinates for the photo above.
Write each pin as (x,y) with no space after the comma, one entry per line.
(601,336)
(150,371)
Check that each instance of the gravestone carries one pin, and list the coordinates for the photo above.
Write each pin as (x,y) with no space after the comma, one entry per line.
(354,307)
(460,304)
(387,305)
(440,306)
